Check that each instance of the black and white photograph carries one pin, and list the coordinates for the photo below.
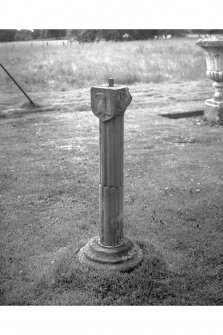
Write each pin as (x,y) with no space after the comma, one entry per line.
(111,151)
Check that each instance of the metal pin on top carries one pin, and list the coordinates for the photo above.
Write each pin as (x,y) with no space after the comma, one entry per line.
(111,82)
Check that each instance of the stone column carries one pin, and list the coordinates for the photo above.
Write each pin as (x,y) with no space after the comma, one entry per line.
(213,48)
(110,250)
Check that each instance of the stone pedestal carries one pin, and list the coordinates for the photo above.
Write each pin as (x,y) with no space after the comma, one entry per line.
(110,250)
(213,111)
(213,47)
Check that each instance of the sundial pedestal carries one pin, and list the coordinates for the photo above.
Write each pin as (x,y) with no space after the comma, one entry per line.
(110,250)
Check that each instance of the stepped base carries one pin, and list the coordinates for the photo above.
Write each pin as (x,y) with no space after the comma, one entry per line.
(119,258)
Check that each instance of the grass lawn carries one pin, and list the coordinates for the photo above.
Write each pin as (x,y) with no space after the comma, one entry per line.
(60,68)
(173,193)
(172,202)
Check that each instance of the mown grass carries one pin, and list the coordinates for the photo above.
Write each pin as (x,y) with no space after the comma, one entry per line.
(172,203)
(49,178)
(64,67)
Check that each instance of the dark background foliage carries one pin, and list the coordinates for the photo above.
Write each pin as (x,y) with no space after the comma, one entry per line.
(95,35)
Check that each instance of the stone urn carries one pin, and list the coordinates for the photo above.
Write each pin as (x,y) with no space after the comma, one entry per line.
(213,48)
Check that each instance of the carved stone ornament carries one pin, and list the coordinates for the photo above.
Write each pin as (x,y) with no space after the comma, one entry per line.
(213,48)
(109,102)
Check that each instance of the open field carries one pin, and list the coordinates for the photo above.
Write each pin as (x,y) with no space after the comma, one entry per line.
(61,68)
(172,195)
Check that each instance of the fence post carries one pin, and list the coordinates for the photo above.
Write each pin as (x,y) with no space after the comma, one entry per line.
(111,249)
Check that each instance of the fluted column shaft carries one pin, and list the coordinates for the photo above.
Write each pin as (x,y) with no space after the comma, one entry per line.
(111,135)
(110,250)
(109,105)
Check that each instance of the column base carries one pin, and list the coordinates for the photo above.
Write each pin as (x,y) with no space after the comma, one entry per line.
(119,258)
(213,111)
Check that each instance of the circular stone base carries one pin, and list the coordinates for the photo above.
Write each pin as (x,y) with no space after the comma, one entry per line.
(120,258)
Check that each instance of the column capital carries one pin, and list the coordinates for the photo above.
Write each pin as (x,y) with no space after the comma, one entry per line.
(109,102)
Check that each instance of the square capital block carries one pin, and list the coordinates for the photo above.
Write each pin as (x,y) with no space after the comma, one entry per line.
(109,102)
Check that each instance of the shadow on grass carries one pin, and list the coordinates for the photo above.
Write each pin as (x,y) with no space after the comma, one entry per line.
(25,108)
(183,114)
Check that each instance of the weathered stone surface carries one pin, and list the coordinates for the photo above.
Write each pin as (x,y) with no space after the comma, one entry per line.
(213,111)
(108,102)
(120,258)
(111,137)
(111,250)
(214,58)
(111,215)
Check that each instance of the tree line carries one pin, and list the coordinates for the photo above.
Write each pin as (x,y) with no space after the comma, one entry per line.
(95,35)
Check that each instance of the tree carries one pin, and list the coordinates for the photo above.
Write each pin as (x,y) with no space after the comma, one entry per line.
(55,33)
(7,35)
(82,35)
(49,33)
(23,35)
(92,35)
